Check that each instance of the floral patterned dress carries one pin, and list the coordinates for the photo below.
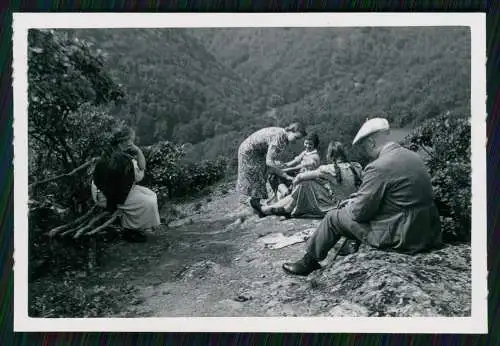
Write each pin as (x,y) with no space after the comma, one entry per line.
(265,144)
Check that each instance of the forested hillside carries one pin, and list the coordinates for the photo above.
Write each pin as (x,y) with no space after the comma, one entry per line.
(215,86)
(175,89)
(334,78)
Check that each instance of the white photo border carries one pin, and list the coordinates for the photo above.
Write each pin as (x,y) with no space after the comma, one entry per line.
(477,323)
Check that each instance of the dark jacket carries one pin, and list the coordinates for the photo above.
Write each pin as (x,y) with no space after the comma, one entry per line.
(396,200)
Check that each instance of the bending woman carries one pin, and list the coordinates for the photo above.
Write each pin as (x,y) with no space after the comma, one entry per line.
(317,192)
(258,156)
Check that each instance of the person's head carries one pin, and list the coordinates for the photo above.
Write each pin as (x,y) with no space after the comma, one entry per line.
(295,131)
(311,142)
(372,136)
(335,152)
(123,136)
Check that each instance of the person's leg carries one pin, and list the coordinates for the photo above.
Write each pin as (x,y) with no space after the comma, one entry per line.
(282,191)
(335,224)
(325,237)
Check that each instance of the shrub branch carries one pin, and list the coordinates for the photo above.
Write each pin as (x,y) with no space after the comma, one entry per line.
(57,177)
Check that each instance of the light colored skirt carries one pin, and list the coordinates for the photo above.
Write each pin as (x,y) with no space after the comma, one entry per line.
(140,210)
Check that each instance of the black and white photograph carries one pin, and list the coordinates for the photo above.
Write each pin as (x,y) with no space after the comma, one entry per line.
(331,167)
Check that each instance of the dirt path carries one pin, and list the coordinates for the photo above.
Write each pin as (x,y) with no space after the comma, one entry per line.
(212,264)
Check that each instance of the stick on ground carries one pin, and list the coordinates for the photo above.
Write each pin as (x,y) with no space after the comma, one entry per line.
(91,223)
(73,223)
(106,224)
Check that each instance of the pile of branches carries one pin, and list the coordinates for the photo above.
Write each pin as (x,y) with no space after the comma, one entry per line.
(93,221)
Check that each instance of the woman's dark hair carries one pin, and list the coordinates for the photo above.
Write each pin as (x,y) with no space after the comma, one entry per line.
(313,137)
(122,134)
(336,153)
(298,128)
(114,176)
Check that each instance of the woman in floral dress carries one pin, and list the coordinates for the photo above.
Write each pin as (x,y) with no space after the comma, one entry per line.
(258,156)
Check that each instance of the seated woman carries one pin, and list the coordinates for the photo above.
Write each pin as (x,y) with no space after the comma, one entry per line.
(114,187)
(307,160)
(316,192)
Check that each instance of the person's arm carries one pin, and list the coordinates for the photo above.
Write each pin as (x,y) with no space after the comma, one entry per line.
(318,173)
(310,175)
(311,163)
(138,173)
(141,160)
(271,159)
(273,168)
(365,203)
(296,160)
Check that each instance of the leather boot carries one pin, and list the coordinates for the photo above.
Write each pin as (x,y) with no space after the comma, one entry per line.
(303,267)
(255,204)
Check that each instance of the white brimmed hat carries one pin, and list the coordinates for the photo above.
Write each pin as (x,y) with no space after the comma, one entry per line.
(369,127)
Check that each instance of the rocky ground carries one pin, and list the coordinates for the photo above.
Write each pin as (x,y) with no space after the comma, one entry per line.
(212,261)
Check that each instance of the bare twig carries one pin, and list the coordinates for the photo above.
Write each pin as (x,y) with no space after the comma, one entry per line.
(73,223)
(91,223)
(106,224)
(74,171)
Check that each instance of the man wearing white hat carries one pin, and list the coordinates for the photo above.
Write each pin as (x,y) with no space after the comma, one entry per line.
(393,208)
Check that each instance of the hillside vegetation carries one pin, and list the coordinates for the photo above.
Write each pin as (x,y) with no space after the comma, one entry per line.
(215,86)
(173,84)
(335,78)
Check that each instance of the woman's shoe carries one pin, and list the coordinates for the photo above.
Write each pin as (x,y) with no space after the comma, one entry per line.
(255,204)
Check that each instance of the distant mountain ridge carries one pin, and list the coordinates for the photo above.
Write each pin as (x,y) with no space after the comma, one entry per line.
(335,78)
(213,87)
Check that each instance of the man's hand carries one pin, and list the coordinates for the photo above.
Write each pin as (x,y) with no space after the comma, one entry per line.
(344,203)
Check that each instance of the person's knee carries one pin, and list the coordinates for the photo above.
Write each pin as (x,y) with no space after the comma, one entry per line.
(335,220)
(332,214)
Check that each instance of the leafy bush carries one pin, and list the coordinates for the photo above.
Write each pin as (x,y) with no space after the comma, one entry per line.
(445,141)
(197,176)
(170,177)
(70,94)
